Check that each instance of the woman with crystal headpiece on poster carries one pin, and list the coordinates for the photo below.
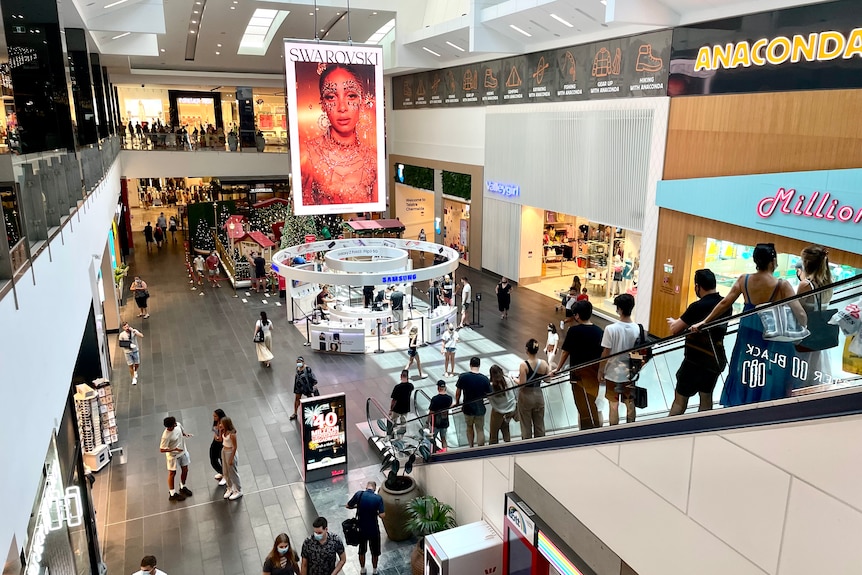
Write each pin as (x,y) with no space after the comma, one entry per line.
(339,166)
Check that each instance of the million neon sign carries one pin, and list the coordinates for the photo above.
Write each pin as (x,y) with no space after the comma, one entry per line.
(817,206)
(815,47)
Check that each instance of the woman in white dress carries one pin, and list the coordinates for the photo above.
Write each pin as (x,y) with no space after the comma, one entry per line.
(263,339)
(551,345)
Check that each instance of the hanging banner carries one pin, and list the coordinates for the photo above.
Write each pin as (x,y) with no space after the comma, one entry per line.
(633,66)
(813,47)
(335,102)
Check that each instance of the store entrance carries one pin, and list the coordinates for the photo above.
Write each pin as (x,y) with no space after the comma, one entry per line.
(604,259)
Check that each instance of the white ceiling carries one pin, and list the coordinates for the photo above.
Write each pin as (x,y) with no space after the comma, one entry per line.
(155,48)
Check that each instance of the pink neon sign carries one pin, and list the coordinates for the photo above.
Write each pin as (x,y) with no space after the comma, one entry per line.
(811,207)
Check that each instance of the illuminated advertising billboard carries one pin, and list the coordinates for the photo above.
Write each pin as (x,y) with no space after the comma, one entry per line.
(335,105)
(324,436)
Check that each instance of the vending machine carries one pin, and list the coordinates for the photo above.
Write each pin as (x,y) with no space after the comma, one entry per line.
(468,549)
(530,547)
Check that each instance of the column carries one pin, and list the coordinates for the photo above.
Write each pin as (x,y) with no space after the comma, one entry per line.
(37,63)
(82,86)
(245,101)
(99,91)
(109,105)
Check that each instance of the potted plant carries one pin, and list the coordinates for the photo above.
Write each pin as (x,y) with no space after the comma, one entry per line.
(259,141)
(232,141)
(399,489)
(426,515)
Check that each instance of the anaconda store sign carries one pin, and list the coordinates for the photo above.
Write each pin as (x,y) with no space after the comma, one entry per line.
(806,48)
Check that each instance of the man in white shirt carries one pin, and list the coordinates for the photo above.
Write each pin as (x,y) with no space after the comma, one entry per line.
(173,445)
(615,373)
(148,566)
(200,265)
(466,301)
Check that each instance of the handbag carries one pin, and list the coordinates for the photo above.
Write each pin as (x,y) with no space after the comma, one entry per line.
(126,343)
(640,397)
(639,356)
(350,527)
(823,334)
(258,336)
(779,322)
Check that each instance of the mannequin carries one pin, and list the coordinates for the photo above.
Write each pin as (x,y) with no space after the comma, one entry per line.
(618,276)
(628,273)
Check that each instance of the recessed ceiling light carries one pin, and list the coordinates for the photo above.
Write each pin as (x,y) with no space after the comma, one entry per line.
(338,13)
(194,21)
(118,36)
(311,13)
(516,29)
(605,2)
(561,21)
(374,13)
(218,53)
(195,12)
(219,45)
(162,49)
(198,3)
(430,51)
(191,31)
(459,48)
(322,30)
(233,7)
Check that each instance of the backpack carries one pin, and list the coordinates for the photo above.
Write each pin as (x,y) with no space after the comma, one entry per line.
(639,355)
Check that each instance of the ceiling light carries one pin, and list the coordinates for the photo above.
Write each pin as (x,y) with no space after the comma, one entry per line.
(117,3)
(194,21)
(162,49)
(605,2)
(374,13)
(516,29)
(233,7)
(195,12)
(323,30)
(218,53)
(311,13)
(218,45)
(118,36)
(338,13)
(191,31)
(381,32)
(430,51)
(459,48)
(561,21)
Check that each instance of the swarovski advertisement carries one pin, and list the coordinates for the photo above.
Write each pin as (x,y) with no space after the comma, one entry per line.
(324,436)
(618,68)
(335,104)
(807,48)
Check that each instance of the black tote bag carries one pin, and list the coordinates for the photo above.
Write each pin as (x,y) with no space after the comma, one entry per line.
(823,334)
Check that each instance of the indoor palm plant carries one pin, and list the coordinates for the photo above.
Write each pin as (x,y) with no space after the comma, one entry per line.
(399,455)
(426,515)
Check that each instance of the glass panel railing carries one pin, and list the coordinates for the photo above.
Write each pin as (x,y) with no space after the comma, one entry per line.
(760,369)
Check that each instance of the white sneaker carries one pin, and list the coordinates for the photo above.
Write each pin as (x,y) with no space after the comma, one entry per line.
(222,481)
(228,493)
(135,380)
(218,476)
(362,571)
(236,495)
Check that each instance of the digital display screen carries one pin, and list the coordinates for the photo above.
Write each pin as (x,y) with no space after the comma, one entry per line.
(324,436)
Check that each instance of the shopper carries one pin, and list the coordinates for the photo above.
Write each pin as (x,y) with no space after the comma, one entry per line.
(758,288)
(466,300)
(615,372)
(200,268)
(583,343)
(475,386)
(450,344)
(531,400)
(159,236)
(259,264)
(212,268)
(148,566)
(435,298)
(369,506)
(413,351)
(367,295)
(216,447)
(263,340)
(173,445)
(229,459)
(128,341)
(704,357)
(438,413)
(304,383)
(503,405)
(161,221)
(815,274)
(323,552)
(148,233)
(282,559)
(396,304)
(142,296)
(504,297)
(399,407)
(551,345)
(172,227)
(448,289)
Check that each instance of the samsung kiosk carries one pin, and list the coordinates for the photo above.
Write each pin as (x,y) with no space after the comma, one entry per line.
(378,262)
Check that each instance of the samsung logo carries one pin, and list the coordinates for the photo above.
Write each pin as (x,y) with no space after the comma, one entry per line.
(398,279)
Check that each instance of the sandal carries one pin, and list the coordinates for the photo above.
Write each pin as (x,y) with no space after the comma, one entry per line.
(292,417)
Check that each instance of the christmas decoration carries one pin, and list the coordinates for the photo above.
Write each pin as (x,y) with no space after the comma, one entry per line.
(202,239)
(262,219)
(242,269)
(295,230)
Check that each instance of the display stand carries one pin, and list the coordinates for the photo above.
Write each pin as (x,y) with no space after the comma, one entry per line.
(97,423)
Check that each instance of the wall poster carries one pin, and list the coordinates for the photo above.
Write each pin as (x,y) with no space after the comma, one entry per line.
(324,436)
(335,101)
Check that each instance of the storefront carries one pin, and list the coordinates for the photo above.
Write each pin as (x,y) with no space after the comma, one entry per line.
(716,222)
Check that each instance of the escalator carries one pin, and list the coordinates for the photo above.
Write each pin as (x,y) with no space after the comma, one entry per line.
(764,487)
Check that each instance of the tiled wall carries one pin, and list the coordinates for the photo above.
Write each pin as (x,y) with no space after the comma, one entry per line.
(778,500)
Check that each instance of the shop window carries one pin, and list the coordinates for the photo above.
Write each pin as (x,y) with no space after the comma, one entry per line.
(457,185)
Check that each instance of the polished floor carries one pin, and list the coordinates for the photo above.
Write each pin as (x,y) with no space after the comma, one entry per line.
(197,355)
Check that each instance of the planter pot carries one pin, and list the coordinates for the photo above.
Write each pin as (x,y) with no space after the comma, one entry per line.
(232,143)
(395,500)
(259,143)
(417,558)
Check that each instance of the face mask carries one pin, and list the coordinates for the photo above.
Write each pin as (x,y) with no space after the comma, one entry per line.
(318,536)
(298,364)
(283,550)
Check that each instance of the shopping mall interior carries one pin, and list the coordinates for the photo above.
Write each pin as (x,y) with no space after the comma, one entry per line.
(210,205)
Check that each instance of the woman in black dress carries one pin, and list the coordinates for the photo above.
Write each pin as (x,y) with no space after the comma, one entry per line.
(504,297)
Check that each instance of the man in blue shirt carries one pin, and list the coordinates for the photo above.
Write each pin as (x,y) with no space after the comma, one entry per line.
(369,506)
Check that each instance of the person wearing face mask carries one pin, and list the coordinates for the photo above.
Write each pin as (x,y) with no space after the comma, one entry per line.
(282,560)
(216,447)
(322,553)
(304,383)
(504,297)
(148,566)
(551,344)
(128,340)
(450,342)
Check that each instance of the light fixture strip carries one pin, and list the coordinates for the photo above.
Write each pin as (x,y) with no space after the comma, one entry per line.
(117,3)
(562,21)
(430,51)
(123,35)
(524,32)
(457,47)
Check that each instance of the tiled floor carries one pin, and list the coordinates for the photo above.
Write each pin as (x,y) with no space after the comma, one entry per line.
(197,355)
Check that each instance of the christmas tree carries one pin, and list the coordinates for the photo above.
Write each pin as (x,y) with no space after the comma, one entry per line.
(202,239)
(262,219)
(295,230)
(328,225)
(223,216)
(242,269)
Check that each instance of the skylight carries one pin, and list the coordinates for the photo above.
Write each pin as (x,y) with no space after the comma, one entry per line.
(383,31)
(261,29)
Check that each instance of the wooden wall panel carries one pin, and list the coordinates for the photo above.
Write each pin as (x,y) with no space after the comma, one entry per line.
(738,134)
(676,232)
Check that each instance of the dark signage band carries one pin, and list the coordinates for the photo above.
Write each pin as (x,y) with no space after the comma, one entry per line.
(635,66)
(806,48)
